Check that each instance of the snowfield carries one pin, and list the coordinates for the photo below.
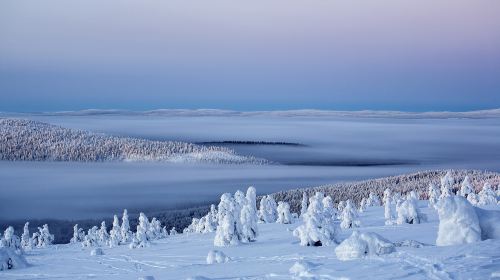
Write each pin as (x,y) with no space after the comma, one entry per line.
(275,255)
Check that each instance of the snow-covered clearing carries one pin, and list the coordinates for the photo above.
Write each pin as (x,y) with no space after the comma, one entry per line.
(275,255)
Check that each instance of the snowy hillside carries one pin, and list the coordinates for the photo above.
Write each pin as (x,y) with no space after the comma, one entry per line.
(31,140)
(441,233)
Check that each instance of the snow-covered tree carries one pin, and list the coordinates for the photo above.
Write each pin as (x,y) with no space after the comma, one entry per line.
(248,217)
(92,238)
(349,216)
(388,212)
(303,205)
(341,206)
(173,231)
(284,216)
(408,212)
(267,210)
(373,200)
(466,187)
(329,209)
(155,229)
(44,237)
(458,222)
(115,234)
(78,235)
(433,195)
(211,220)
(487,196)
(316,230)
(362,205)
(140,238)
(103,234)
(10,240)
(387,198)
(447,182)
(26,243)
(473,198)
(126,233)
(226,233)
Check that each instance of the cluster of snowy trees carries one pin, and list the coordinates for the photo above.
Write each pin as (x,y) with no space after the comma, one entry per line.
(401,184)
(31,140)
(121,234)
(12,247)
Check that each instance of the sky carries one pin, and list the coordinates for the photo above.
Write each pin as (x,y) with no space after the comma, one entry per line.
(249,55)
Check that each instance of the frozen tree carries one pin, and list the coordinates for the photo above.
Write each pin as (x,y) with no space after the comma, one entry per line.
(284,216)
(349,216)
(226,233)
(193,227)
(473,198)
(10,240)
(466,187)
(126,234)
(303,205)
(155,229)
(115,235)
(388,212)
(447,182)
(458,222)
(26,243)
(433,194)
(92,238)
(408,212)
(78,235)
(44,238)
(341,206)
(329,209)
(248,217)
(173,231)
(103,234)
(140,238)
(362,205)
(373,200)
(387,196)
(316,230)
(487,196)
(267,210)
(211,220)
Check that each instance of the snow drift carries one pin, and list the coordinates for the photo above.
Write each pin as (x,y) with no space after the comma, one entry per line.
(360,245)
(9,259)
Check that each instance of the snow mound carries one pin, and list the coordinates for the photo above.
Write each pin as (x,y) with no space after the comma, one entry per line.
(9,259)
(146,278)
(97,252)
(359,245)
(458,222)
(302,269)
(215,256)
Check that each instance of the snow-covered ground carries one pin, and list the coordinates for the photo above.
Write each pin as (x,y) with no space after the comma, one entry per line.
(275,255)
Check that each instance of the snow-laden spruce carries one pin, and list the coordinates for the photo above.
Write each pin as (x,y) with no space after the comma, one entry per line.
(373,200)
(26,241)
(32,140)
(447,182)
(466,187)
(303,204)
(360,245)
(44,238)
(487,196)
(126,233)
(237,218)
(267,209)
(349,216)
(78,235)
(115,235)
(141,239)
(284,216)
(433,194)
(10,240)
(408,211)
(458,222)
(318,228)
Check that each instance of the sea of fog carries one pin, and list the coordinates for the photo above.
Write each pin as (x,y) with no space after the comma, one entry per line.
(324,150)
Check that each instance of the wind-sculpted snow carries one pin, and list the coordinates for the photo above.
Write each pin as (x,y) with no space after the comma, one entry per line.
(36,141)
(418,182)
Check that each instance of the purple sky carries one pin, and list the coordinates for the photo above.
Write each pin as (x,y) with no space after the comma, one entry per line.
(258,54)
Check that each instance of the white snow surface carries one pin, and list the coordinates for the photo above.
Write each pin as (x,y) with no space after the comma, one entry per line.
(275,255)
